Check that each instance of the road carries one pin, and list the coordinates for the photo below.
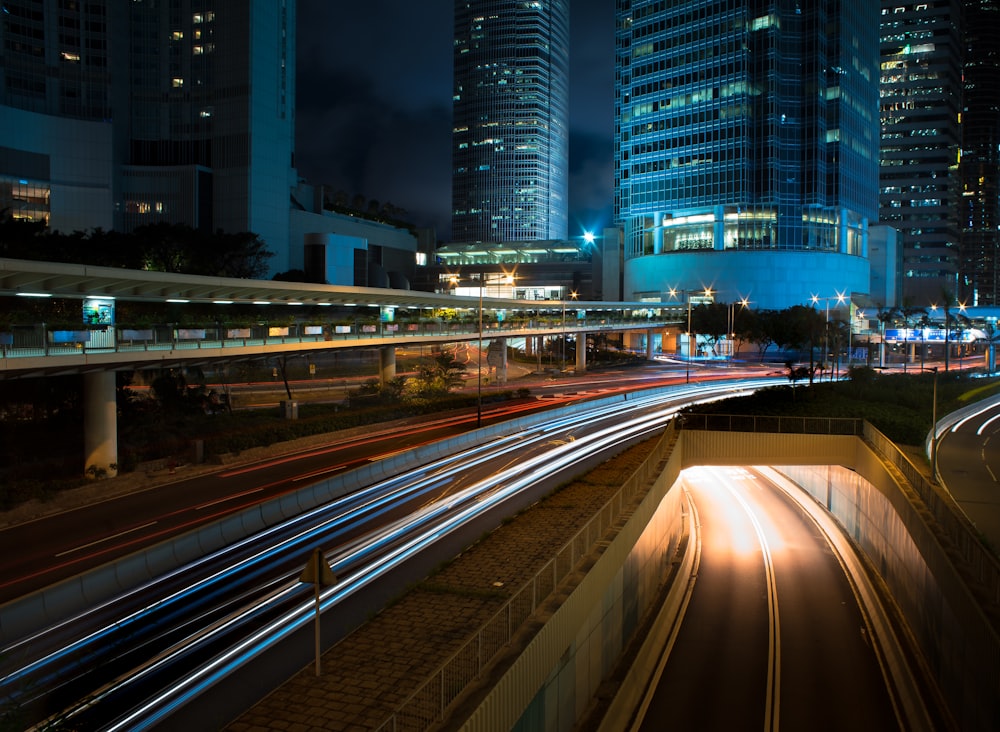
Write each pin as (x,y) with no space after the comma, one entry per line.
(157,636)
(40,553)
(968,461)
(772,634)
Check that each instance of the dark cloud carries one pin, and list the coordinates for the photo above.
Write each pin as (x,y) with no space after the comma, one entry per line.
(374,86)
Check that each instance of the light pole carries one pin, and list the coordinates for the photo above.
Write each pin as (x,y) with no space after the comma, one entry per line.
(707,292)
(826,331)
(479,360)
(743,303)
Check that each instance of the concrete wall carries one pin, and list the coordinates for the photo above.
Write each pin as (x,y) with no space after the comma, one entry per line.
(550,684)
(959,645)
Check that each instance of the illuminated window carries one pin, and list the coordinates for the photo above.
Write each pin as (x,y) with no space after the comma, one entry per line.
(178,35)
(178,82)
(71,57)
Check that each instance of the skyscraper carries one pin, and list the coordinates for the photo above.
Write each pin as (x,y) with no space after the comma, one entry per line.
(921,97)
(115,114)
(980,167)
(746,147)
(510,141)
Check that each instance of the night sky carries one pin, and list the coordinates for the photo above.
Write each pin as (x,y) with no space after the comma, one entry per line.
(373,116)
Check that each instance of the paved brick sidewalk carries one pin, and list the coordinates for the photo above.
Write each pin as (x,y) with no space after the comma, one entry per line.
(370,673)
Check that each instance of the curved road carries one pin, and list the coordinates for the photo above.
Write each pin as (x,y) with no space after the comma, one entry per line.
(968,462)
(772,635)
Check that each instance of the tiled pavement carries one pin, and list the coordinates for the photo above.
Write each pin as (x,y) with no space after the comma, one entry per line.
(370,673)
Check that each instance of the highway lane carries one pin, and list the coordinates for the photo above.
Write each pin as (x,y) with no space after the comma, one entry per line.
(148,623)
(37,554)
(772,635)
(968,461)
(40,553)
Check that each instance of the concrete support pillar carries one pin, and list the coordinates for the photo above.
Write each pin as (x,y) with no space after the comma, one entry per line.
(529,346)
(649,344)
(502,362)
(100,423)
(581,353)
(386,364)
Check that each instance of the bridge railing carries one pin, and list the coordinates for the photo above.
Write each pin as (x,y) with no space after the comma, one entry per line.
(43,339)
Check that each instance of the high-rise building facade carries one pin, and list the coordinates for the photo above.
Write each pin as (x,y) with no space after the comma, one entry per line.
(211,115)
(510,141)
(115,114)
(980,167)
(746,147)
(921,98)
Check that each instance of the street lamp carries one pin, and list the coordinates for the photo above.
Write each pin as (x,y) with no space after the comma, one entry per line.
(574,294)
(479,359)
(826,332)
(707,292)
(743,303)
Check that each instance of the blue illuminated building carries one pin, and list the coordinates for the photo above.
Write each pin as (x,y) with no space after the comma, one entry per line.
(746,148)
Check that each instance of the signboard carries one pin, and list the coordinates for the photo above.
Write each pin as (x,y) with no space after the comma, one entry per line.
(929,335)
(98,311)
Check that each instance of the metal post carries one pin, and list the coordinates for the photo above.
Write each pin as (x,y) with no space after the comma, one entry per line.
(934,470)
(479,363)
(687,361)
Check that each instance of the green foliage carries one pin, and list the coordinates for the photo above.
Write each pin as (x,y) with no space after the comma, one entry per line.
(159,247)
(898,405)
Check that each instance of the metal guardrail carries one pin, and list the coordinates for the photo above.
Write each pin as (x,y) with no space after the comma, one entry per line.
(766,423)
(430,701)
(982,564)
(44,340)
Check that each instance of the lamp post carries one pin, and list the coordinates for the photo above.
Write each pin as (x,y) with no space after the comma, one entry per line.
(731,335)
(707,292)
(479,360)
(826,331)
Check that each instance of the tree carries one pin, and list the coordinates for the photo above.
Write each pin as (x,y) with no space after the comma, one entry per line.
(802,327)
(908,312)
(760,330)
(439,375)
(711,321)
(885,315)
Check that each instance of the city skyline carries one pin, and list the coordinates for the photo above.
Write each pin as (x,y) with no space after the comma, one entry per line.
(374,106)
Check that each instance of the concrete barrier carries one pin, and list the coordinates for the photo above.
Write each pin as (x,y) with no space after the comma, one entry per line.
(31,613)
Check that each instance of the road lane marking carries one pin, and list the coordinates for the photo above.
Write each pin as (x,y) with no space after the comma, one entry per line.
(106,538)
(772,704)
(227,498)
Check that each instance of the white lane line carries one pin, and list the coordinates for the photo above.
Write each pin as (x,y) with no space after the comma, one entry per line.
(772,704)
(106,538)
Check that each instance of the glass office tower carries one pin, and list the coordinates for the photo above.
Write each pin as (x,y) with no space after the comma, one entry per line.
(980,166)
(920,108)
(746,147)
(510,141)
